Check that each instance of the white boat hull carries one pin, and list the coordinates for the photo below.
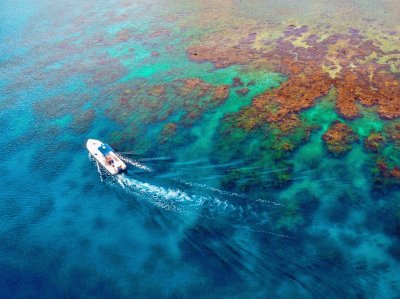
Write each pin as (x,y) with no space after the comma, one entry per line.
(109,160)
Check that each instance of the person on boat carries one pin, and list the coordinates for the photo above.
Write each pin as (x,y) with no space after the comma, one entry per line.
(109,160)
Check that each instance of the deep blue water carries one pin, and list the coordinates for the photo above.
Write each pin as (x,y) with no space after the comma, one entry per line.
(169,230)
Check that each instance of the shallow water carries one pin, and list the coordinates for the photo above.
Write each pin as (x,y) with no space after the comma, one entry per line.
(207,209)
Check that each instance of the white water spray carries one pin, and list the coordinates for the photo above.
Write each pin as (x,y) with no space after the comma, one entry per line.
(99,171)
(202,200)
(135,163)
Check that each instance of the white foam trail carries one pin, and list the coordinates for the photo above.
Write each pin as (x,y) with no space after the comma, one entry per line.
(222,165)
(127,153)
(175,199)
(165,198)
(265,232)
(119,180)
(99,171)
(154,159)
(153,190)
(227,193)
(172,198)
(190,162)
(92,159)
(213,189)
(134,163)
(270,202)
(181,201)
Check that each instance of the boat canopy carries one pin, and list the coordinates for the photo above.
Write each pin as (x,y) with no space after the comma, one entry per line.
(105,149)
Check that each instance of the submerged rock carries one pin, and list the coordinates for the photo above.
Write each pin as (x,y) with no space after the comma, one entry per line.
(374,142)
(83,121)
(168,131)
(242,91)
(394,134)
(339,138)
(164,107)
(237,82)
(385,175)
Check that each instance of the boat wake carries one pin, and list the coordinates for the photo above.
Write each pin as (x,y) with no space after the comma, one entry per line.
(166,198)
(135,163)
(191,198)
(196,199)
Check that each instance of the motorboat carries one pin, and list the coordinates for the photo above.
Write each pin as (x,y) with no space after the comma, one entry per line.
(105,155)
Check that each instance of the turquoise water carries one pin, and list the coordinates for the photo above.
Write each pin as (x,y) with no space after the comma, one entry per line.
(194,216)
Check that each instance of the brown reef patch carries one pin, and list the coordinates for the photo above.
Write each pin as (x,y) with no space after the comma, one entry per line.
(164,107)
(221,93)
(243,91)
(394,134)
(374,142)
(370,88)
(193,85)
(60,106)
(157,90)
(219,57)
(294,95)
(395,172)
(237,82)
(168,131)
(385,175)
(83,121)
(354,68)
(339,138)
(313,65)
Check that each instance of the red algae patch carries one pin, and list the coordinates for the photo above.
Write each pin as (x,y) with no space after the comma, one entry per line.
(338,138)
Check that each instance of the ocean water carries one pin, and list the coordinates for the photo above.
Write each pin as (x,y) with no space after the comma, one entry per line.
(207,208)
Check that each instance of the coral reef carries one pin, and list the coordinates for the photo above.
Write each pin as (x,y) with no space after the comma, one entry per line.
(60,106)
(394,134)
(358,69)
(83,121)
(314,65)
(237,82)
(385,175)
(168,131)
(374,142)
(339,138)
(221,93)
(179,103)
(243,91)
